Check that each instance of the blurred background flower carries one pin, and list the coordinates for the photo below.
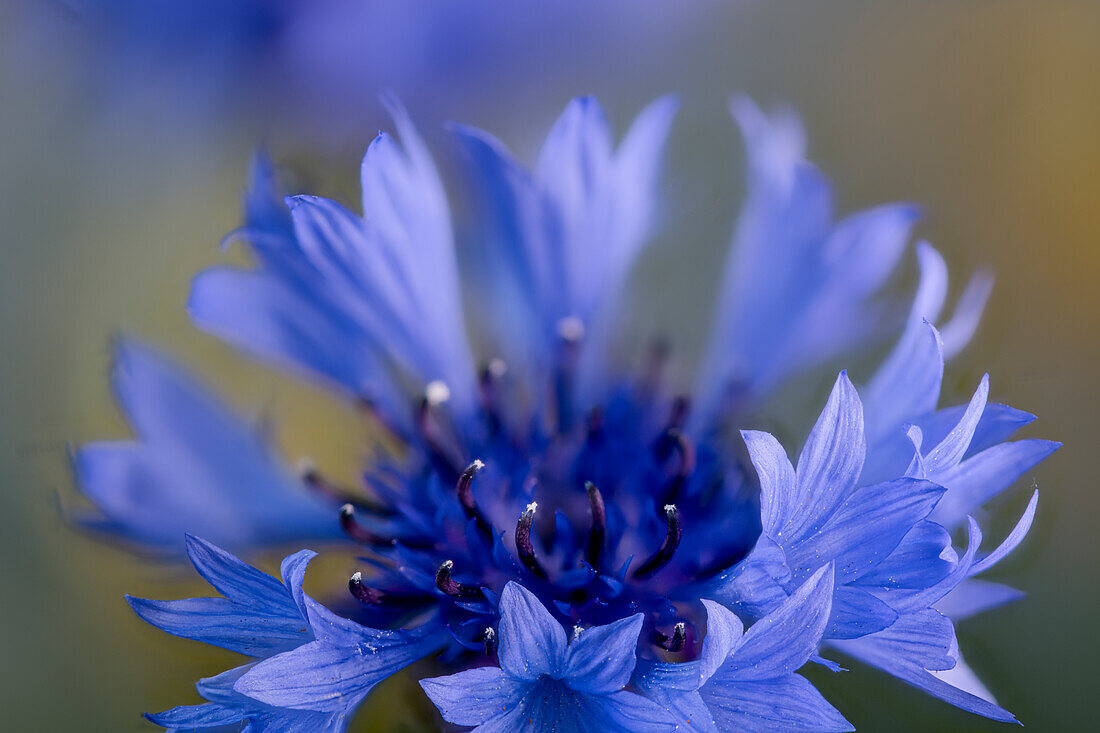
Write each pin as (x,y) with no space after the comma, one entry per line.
(126,131)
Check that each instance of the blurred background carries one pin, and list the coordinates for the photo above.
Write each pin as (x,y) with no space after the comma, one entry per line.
(125,132)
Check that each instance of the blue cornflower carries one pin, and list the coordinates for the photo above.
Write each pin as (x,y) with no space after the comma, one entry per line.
(539,488)
(546,682)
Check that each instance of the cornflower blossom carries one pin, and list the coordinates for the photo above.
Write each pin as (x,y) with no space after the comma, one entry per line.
(574,547)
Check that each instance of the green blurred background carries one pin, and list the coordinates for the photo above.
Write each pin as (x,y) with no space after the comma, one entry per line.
(987,113)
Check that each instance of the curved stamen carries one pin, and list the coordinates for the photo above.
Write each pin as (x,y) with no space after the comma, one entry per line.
(450,586)
(490,639)
(672,540)
(363,593)
(353,529)
(465,489)
(676,642)
(524,546)
(435,395)
(593,547)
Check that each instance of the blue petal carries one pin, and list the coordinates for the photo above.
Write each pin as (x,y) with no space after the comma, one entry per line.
(624,712)
(725,633)
(867,527)
(756,584)
(857,613)
(196,468)
(796,287)
(830,463)
(223,623)
(601,660)
(778,491)
(972,597)
(277,322)
(327,677)
(782,641)
(960,329)
(475,695)
(907,385)
(916,563)
(532,643)
(789,703)
(950,451)
(207,715)
(920,639)
(979,478)
(238,581)
(1010,543)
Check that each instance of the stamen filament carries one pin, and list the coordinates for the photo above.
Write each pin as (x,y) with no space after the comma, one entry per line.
(672,540)
(450,586)
(524,546)
(353,529)
(593,548)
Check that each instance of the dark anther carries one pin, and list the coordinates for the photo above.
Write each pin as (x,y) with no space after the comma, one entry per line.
(524,547)
(465,487)
(365,594)
(674,643)
(490,639)
(452,587)
(593,547)
(672,540)
(353,529)
(466,498)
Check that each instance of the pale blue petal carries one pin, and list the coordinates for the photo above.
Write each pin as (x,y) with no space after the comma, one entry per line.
(782,641)
(972,597)
(981,477)
(786,705)
(830,463)
(601,660)
(196,467)
(473,696)
(532,642)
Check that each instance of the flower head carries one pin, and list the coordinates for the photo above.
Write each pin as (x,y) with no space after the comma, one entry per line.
(539,488)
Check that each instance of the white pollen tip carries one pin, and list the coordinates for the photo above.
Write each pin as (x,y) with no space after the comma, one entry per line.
(347,509)
(478,464)
(448,564)
(357,577)
(497,368)
(437,392)
(571,329)
(670,508)
(532,507)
